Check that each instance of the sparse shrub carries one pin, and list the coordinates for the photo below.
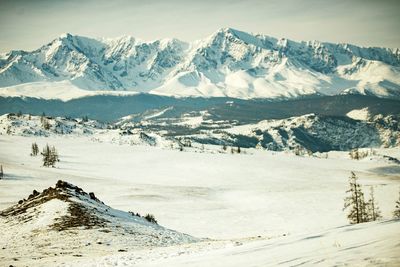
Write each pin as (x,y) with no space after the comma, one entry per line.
(135,214)
(150,218)
(357,154)
(354,154)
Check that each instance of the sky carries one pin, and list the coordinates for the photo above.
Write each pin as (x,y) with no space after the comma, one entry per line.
(29,24)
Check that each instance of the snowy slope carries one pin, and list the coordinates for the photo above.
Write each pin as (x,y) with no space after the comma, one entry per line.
(227,63)
(83,223)
(63,90)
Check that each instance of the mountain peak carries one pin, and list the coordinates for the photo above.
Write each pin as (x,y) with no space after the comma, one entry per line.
(65,35)
(232,34)
(228,30)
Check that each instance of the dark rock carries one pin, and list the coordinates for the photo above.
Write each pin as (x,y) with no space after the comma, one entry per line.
(35,193)
(92,196)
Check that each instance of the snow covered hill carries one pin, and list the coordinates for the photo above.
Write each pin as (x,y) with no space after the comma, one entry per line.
(318,133)
(227,63)
(66,221)
(302,134)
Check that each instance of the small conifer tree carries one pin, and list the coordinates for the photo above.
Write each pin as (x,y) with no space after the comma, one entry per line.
(373,210)
(50,156)
(396,213)
(355,202)
(35,149)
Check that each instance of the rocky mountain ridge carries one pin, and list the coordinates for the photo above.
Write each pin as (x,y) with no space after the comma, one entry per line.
(228,63)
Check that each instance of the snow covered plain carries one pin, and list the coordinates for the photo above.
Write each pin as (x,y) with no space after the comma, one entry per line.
(258,208)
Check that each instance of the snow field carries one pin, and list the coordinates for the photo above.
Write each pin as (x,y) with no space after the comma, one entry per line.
(292,204)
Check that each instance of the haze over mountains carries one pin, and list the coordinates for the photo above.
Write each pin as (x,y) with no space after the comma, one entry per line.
(228,63)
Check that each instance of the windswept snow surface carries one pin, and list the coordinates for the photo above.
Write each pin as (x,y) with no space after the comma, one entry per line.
(281,207)
(370,244)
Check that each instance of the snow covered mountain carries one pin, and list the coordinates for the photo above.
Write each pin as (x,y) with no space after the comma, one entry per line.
(227,63)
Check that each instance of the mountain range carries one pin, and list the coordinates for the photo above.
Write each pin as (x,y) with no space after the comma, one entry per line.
(229,63)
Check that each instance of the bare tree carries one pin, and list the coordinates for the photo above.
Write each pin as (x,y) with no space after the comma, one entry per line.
(373,210)
(355,201)
(1,172)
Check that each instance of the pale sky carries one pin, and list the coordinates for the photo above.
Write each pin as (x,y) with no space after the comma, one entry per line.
(29,24)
